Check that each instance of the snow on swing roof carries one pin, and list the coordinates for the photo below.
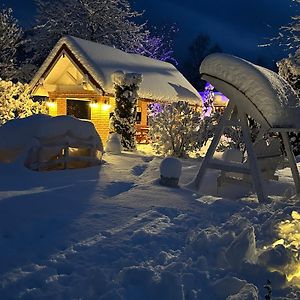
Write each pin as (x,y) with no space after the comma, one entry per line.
(269,93)
(161,80)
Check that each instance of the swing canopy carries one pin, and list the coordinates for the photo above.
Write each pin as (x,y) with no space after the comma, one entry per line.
(259,92)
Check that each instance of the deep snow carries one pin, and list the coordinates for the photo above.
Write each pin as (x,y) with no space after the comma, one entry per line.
(112,232)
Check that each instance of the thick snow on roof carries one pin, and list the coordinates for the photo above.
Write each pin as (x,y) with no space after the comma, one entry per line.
(161,80)
(272,96)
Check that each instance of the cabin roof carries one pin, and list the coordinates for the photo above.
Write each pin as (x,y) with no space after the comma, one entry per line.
(161,80)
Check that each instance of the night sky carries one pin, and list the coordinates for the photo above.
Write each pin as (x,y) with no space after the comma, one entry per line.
(238,26)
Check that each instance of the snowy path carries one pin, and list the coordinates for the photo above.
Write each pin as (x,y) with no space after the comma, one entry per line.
(114,233)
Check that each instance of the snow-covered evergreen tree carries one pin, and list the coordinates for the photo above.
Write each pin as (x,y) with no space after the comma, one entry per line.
(16,102)
(178,128)
(10,40)
(126,87)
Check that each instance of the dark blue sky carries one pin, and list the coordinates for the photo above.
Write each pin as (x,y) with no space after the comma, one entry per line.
(238,26)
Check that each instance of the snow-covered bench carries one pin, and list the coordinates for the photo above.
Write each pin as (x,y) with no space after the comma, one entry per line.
(259,93)
(268,154)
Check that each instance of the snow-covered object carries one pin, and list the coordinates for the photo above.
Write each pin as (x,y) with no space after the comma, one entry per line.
(113,144)
(16,101)
(289,69)
(177,129)
(227,286)
(170,171)
(232,155)
(242,248)
(161,80)
(19,135)
(247,292)
(128,79)
(262,93)
(126,92)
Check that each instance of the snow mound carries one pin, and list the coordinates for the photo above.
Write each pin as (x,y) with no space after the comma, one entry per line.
(19,135)
(263,89)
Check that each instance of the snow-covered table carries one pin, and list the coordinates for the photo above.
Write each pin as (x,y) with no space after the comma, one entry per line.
(259,93)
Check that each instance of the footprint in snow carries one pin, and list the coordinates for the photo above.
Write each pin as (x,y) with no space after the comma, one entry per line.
(138,170)
(118,187)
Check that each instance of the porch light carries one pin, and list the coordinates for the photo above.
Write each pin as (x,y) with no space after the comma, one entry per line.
(94,104)
(106,105)
(50,103)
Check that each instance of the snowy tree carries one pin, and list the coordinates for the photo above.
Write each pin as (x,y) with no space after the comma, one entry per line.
(159,45)
(289,69)
(16,102)
(208,99)
(110,22)
(178,128)
(126,87)
(10,40)
(289,35)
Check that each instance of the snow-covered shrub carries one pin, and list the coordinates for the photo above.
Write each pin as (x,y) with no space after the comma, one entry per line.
(126,87)
(289,69)
(16,102)
(170,171)
(178,128)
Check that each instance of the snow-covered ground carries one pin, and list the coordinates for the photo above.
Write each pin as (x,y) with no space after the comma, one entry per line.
(113,232)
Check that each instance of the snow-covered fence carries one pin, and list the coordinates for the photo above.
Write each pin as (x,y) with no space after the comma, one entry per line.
(63,152)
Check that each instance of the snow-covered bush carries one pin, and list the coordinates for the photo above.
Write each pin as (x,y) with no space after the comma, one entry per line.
(126,87)
(178,128)
(289,69)
(16,102)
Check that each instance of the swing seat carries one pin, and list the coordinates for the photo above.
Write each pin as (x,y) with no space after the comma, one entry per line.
(269,157)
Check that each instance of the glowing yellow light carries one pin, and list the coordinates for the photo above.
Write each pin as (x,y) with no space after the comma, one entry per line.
(93,104)
(50,103)
(295,215)
(279,242)
(106,106)
(289,236)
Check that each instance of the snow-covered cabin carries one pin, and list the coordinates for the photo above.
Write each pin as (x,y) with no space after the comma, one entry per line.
(77,78)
